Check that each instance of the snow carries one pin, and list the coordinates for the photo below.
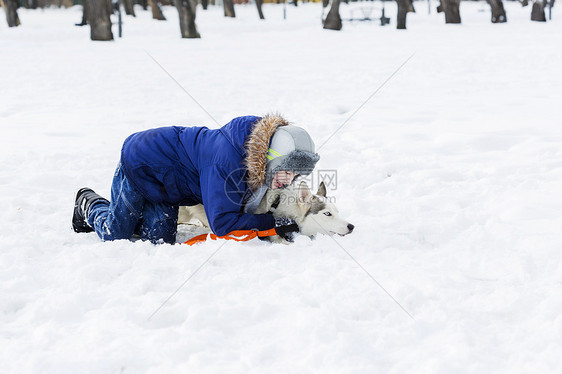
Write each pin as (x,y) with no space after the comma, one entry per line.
(451,174)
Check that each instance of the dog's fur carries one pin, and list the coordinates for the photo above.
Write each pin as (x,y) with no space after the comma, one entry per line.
(314,213)
(193,215)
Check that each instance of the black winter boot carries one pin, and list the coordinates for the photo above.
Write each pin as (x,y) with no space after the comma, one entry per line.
(84,198)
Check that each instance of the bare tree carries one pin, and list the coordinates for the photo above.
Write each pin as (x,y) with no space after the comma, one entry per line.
(404,7)
(85,8)
(259,4)
(156,11)
(129,7)
(186,11)
(451,10)
(205,4)
(11,10)
(31,4)
(229,8)
(98,17)
(333,19)
(498,11)
(537,12)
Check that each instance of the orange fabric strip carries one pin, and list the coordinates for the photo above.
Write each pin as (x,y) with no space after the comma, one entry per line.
(264,233)
(237,235)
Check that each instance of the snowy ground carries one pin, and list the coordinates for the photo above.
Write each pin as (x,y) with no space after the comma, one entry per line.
(452,175)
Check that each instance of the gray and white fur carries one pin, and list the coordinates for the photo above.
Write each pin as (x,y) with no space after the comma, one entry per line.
(314,213)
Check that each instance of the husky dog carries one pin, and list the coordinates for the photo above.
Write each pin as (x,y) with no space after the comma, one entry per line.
(313,213)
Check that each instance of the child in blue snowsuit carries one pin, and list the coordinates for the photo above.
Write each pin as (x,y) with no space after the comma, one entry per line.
(228,170)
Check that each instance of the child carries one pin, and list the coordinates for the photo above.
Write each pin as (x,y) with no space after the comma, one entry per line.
(228,170)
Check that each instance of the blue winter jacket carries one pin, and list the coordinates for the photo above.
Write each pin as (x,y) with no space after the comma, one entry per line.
(193,165)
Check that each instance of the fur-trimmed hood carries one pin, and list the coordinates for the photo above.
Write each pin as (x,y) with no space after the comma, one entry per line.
(256,147)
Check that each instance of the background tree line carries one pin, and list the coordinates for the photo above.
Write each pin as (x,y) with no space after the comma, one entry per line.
(96,13)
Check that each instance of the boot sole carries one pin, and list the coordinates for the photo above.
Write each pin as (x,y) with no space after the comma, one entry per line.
(79,223)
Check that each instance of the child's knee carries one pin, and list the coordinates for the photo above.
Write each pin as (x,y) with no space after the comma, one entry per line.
(160,232)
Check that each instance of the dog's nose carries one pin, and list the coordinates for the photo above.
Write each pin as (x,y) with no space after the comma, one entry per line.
(350,227)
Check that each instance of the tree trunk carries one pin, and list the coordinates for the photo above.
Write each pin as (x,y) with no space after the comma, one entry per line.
(85,8)
(325,3)
(11,10)
(98,18)
(129,7)
(31,4)
(404,7)
(156,11)
(333,19)
(229,8)
(451,9)
(205,4)
(144,4)
(186,11)
(498,11)
(110,8)
(537,12)
(259,4)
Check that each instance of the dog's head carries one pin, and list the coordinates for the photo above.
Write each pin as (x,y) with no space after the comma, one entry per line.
(320,213)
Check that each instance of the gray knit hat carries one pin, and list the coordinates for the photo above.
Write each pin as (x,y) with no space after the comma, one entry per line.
(290,149)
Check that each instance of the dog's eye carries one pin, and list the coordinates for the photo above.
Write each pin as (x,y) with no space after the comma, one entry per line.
(327,214)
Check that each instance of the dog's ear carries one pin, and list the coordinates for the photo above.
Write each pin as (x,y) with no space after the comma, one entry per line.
(304,193)
(321,189)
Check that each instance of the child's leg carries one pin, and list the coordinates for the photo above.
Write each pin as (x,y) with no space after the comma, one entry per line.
(160,223)
(118,219)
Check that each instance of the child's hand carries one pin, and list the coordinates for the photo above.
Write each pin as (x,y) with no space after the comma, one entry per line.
(286,228)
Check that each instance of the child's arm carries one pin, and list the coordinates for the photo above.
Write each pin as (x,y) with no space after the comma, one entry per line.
(223,204)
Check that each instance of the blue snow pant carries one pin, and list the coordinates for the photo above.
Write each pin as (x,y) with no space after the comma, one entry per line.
(129,214)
